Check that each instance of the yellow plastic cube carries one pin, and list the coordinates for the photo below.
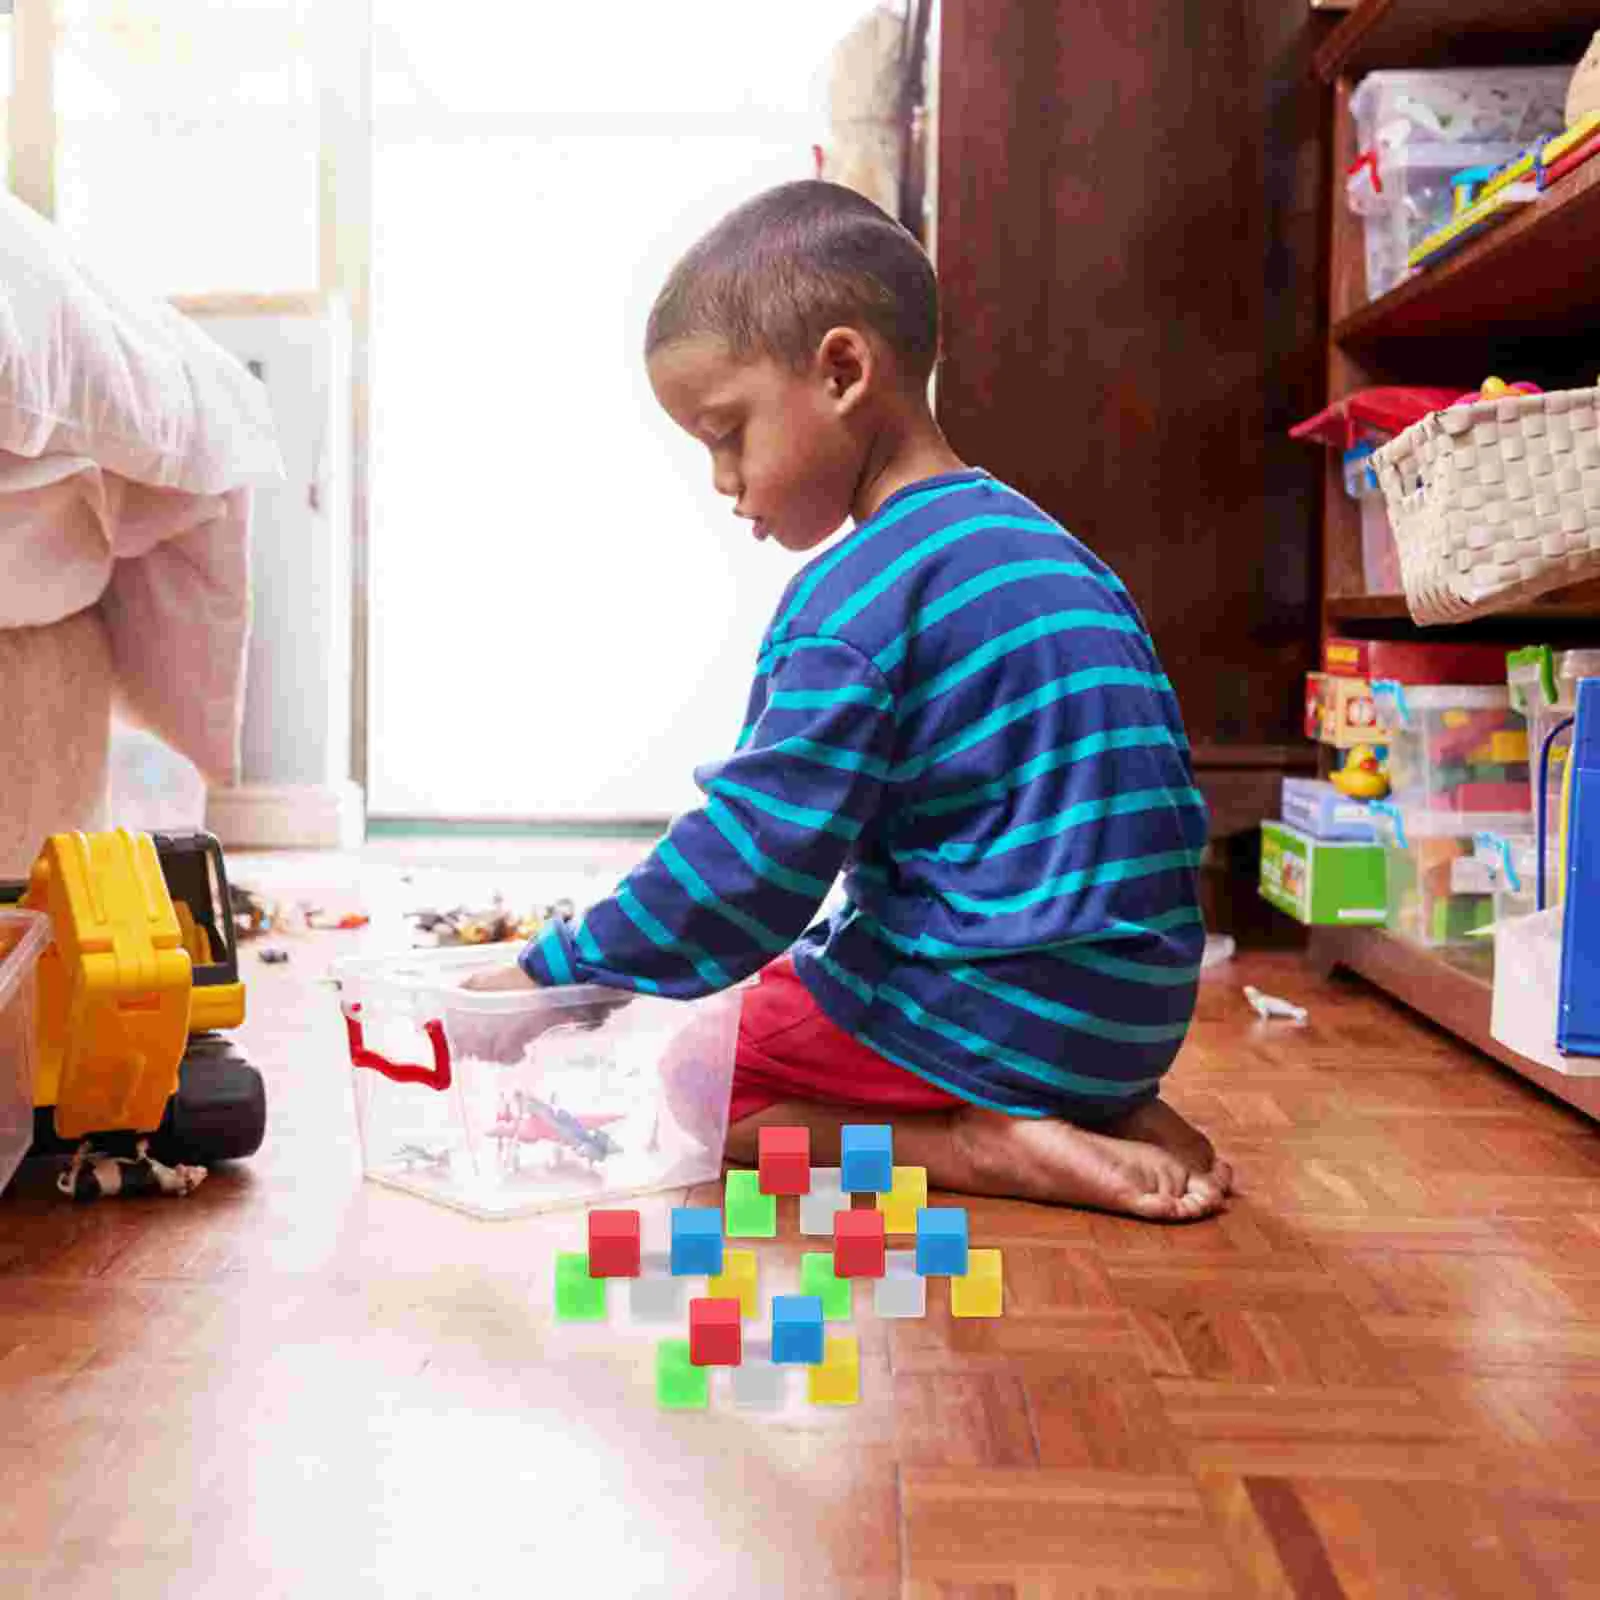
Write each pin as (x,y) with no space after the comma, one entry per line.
(837,1382)
(736,1281)
(908,1194)
(981,1292)
(1508,747)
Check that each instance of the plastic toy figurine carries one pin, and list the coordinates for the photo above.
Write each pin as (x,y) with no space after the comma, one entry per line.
(1362,776)
(526,1119)
(94,1175)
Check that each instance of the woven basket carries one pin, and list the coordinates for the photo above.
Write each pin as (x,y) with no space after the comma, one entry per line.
(1495,503)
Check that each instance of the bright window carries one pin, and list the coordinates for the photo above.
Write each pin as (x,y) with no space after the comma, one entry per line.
(564,615)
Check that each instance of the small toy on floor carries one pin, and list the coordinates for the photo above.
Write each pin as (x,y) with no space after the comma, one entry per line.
(1268,1006)
(96,1176)
(494,925)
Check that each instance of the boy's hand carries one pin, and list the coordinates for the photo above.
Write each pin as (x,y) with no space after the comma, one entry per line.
(512,977)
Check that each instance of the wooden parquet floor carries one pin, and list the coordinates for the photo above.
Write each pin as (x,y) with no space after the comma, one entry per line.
(1377,1375)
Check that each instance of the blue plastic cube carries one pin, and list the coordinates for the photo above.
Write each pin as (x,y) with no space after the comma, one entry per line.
(942,1241)
(866,1158)
(696,1241)
(797,1329)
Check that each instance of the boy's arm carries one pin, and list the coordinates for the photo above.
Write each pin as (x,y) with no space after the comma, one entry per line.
(736,881)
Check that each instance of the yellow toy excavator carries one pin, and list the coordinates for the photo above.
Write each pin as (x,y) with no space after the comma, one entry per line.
(140,970)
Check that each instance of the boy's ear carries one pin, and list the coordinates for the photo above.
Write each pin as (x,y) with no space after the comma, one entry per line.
(847,365)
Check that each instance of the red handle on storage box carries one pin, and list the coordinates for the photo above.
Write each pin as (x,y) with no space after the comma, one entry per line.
(435,1077)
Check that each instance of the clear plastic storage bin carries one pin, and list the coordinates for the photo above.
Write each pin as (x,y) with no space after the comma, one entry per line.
(1417,130)
(1511,872)
(1422,851)
(23,936)
(1544,688)
(1457,748)
(1380,555)
(509,1102)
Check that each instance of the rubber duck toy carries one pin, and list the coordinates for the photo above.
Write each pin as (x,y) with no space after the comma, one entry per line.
(1362,776)
(1495,389)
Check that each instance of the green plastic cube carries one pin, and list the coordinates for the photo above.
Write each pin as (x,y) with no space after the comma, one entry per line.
(680,1385)
(746,1212)
(818,1277)
(579,1298)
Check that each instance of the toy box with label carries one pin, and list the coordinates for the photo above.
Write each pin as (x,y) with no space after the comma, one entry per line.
(1453,747)
(1409,662)
(1319,809)
(1419,131)
(504,1102)
(1422,849)
(1340,711)
(1321,882)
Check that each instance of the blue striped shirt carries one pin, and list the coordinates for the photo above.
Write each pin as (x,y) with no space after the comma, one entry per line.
(958,706)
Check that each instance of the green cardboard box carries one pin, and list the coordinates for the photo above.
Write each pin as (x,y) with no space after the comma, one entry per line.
(1323,882)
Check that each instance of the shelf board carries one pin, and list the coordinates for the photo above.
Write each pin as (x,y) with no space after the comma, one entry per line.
(1580,603)
(1533,275)
(1434,33)
(1453,992)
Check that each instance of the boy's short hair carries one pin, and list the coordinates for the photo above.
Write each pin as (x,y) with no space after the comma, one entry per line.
(777,272)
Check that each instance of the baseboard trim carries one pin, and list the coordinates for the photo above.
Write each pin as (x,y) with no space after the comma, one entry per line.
(288,816)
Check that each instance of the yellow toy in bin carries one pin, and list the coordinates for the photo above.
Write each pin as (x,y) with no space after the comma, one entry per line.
(140,967)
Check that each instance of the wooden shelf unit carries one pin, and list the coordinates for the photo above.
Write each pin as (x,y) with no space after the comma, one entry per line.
(1522,302)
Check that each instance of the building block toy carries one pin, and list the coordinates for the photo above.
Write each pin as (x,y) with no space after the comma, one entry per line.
(979,1292)
(905,1198)
(942,1241)
(759,1384)
(824,1200)
(818,1277)
(655,1295)
(837,1381)
(579,1297)
(737,1281)
(866,1158)
(680,1384)
(749,1213)
(858,1244)
(783,1158)
(902,1291)
(797,1329)
(714,1335)
(614,1244)
(696,1242)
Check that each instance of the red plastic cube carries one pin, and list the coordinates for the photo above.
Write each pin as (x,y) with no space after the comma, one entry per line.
(859,1246)
(613,1244)
(714,1338)
(783,1157)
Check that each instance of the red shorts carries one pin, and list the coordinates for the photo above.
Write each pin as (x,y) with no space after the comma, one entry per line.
(788,1050)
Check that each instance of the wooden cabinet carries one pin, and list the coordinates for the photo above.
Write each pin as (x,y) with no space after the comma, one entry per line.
(1130,205)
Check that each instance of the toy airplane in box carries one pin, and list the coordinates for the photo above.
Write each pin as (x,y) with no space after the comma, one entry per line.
(140,971)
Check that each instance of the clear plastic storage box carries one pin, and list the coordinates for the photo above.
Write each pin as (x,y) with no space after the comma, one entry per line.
(1546,701)
(1380,555)
(1431,899)
(23,936)
(1453,747)
(501,1103)
(1417,130)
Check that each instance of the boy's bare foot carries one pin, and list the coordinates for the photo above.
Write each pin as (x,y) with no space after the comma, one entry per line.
(1153,1164)
(1051,1160)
